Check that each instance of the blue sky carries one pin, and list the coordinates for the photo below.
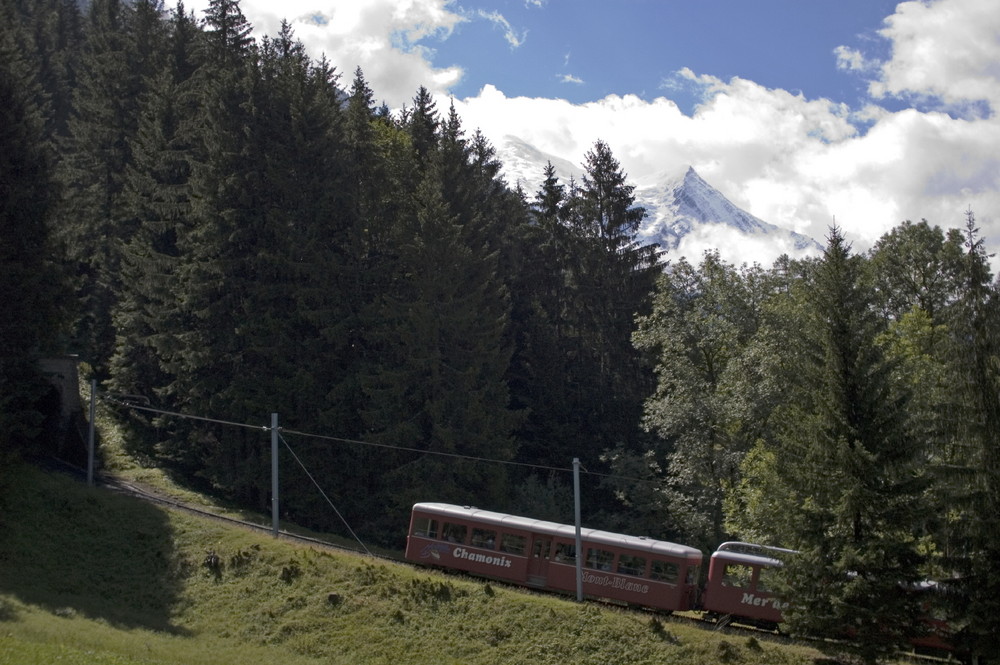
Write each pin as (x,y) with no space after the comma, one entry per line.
(584,51)
(869,112)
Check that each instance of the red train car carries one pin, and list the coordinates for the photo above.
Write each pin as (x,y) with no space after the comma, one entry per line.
(542,555)
(737,591)
(737,586)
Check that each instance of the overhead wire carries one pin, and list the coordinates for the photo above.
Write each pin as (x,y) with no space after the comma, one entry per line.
(186,416)
(439,453)
(320,489)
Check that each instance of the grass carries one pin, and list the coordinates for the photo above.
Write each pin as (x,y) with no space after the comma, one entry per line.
(117,460)
(88,576)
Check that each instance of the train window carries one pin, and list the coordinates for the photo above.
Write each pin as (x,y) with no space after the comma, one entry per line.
(664,571)
(454,533)
(765,579)
(599,559)
(541,549)
(512,544)
(565,553)
(485,538)
(737,575)
(632,565)
(425,526)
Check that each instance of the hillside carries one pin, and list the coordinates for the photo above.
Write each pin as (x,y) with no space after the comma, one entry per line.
(88,576)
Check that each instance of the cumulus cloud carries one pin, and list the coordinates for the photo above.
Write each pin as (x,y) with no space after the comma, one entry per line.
(804,163)
(948,49)
(734,246)
(391,40)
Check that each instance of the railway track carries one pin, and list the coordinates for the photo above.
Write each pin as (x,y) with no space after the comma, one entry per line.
(120,486)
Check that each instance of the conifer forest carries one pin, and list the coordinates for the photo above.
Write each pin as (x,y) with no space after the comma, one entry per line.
(224,227)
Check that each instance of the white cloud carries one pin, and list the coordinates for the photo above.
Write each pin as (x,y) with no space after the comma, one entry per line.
(948,49)
(793,162)
(851,59)
(802,163)
(496,18)
(730,243)
(569,78)
(388,39)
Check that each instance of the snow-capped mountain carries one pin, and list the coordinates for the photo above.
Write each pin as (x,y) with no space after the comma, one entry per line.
(681,205)
(685,215)
(524,164)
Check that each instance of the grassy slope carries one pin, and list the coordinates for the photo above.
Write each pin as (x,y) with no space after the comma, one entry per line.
(87,576)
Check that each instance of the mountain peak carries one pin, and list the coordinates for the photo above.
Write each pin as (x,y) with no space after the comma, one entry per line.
(681,206)
(685,215)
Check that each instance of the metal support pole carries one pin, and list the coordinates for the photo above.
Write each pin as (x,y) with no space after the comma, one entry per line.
(274,474)
(90,432)
(579,537)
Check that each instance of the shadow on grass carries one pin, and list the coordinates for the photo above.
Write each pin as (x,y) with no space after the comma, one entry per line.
(66,546)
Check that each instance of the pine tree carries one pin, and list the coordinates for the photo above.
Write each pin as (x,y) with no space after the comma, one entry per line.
(422,123)
(157,194)
(30,286)
(104,120)
(440,386)
(613,281)
(842,475)
(973,473)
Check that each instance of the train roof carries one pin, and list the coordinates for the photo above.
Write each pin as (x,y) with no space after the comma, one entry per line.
(751,553)
(555,529)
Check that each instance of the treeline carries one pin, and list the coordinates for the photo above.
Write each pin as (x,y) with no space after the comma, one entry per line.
(242,232)
(845,407)
(225,228)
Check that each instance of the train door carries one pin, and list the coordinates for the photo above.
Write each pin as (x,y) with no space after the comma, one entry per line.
(538,565)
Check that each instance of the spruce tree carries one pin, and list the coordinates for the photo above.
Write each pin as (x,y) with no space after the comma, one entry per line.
(49,35)
(972,475)
(422,123)
(440,384)
(842,476)
(214,242)
(30,286)
(105,118)
(613,279)
(540,299)
(157,194)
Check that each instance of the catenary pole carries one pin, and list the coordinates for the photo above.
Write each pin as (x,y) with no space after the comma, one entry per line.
(579,537)
(274,474)
(90,433)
